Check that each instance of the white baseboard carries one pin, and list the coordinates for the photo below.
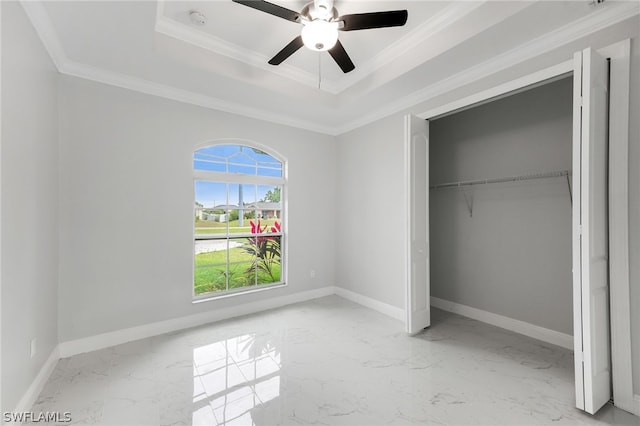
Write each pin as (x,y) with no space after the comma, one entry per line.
(118,337)
(376,305)
(32,393)
(104,340)
(101,341)
(537,332)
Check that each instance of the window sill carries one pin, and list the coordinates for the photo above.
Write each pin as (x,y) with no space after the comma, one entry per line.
(208,298)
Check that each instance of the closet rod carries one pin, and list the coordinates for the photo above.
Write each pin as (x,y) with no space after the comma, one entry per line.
(500,180)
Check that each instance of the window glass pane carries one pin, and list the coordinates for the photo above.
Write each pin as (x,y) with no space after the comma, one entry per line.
(267,165)
(233,195)
(210,218)
(245,170)
(241,275)
(269,207)
(249,201)
(210,159)
(210,194)
(242,157)
(225,259)
(209,277)
(268,251)
(210,251)
(238,250)
(273,276)
(207,165)
(237,159)
(264,171)
(238,223)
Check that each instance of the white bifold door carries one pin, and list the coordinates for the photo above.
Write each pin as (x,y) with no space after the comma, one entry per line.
(590,250)
(417,161)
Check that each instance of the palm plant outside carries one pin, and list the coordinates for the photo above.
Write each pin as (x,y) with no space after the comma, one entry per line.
(265,250)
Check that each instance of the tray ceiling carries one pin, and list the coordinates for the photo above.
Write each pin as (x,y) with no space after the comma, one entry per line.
(154,47)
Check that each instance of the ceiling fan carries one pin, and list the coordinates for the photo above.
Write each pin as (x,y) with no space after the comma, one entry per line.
(321,24)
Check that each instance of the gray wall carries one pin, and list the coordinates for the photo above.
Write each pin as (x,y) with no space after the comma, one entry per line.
(373,153)
(513,256)
(634,208)
(29,204)
(122,153)
(370,257)
(126,206)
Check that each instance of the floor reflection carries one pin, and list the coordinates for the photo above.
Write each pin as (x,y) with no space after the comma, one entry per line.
(232,377)
(327,361)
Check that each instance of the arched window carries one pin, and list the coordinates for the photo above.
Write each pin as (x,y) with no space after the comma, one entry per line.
(239,235)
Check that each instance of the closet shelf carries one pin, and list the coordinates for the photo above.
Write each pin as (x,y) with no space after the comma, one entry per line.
(460,184)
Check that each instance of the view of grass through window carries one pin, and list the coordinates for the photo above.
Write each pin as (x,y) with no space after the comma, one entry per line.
(238,227)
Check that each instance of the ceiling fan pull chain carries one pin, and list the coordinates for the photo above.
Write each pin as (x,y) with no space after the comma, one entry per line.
(319,70)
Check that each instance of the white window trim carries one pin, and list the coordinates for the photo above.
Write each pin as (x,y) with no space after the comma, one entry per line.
(229,177)
(239,178)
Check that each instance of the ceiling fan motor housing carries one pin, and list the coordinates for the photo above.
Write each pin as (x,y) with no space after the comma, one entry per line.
(323,8)
(321,25)
(319,9)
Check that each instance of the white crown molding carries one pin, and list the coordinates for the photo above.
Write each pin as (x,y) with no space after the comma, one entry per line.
(615,13)
(179,31)
(610,14)
(206,41)
(420,34)
(39,17)
(125,81)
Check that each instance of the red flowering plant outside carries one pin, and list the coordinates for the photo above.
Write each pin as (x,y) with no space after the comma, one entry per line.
(265,250)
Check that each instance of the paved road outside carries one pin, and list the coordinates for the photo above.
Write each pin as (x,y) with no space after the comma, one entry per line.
(207,246)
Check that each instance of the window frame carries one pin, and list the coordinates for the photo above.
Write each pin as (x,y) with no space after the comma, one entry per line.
(241,179)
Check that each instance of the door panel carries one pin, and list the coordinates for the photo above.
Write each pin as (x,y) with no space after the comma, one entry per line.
(591,283)
(418,289)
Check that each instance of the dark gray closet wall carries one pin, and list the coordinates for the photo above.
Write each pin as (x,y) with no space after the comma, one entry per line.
(512,255)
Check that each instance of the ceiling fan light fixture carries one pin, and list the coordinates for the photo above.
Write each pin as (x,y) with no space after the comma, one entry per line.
(320,35)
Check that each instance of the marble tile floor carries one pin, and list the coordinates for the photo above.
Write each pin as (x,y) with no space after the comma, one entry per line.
(326,362)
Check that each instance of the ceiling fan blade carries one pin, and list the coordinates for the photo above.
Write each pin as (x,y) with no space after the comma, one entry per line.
(341,57)
(271,9)
(288,50)
(366,21)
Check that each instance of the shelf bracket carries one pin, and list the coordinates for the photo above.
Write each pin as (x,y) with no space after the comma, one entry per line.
(468,199)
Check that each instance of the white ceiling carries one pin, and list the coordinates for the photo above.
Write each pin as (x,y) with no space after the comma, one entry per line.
(155,48)
(254,37)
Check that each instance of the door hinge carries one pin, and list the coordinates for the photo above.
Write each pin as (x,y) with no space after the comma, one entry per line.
(579,356)
(580,101)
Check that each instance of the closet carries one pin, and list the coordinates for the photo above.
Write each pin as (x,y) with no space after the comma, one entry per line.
(500,207)
(527,214)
